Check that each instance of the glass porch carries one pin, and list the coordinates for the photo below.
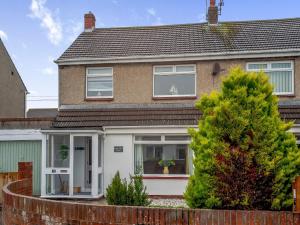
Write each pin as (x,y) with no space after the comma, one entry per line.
(72,164)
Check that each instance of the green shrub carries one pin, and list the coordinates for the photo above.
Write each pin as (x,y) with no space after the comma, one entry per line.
(141,198)
(245,158)
(116,192)
(130,193)
(119,192)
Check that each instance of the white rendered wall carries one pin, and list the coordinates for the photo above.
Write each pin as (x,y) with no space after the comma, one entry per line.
(165,186)
(117,161)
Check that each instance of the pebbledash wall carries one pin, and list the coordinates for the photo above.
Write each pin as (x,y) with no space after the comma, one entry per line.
(133,82)
(20,208)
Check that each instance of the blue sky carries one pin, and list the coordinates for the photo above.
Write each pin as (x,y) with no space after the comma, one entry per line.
(36,32)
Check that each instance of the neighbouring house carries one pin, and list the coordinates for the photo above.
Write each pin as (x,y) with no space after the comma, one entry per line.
(12,89)
(127,95)
(41,113)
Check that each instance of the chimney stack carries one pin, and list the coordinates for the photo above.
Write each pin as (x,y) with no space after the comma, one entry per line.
(212,15)
(89,22)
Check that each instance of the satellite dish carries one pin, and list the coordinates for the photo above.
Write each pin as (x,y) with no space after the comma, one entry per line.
(216,69)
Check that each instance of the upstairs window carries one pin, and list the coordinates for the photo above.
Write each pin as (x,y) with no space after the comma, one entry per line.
(174,81)
(281,75)
(99,82)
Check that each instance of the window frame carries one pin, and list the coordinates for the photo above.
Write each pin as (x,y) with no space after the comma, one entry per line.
(164,142)
(102,75)
(172,74)
(270,69)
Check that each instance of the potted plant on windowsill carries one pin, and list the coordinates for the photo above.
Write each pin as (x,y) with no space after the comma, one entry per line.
(166,164)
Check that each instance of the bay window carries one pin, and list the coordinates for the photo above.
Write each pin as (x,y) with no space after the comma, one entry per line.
(99,82)
(162,155)
(281,75)
(174,81)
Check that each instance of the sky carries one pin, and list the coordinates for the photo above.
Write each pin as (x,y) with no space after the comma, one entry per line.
(36,32)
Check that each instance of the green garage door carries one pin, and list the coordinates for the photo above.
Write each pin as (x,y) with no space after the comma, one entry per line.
(12,152)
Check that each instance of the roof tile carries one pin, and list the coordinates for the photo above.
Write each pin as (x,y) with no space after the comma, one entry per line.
(179,39)
(97,118)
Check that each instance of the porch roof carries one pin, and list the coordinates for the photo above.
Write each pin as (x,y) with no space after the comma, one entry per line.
(137,115)
(95,118)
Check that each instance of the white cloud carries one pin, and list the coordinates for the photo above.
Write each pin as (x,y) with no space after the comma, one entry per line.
(151,12)
(153,15)
(74,29)
(52,25)
(3,35)
(24,45)
(49,71)
(115,2)
(158,22)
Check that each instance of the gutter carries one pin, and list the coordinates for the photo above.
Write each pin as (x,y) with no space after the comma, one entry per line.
(72,131)
(184,57)
(149,127)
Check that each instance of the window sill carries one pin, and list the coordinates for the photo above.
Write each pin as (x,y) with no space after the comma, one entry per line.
(166,177)
(175,98)
(285,95)
(98,99)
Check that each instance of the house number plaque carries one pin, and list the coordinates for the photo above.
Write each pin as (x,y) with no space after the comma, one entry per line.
(118,148)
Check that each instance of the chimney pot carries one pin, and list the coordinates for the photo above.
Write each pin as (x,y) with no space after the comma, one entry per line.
(89,22)
(212,3)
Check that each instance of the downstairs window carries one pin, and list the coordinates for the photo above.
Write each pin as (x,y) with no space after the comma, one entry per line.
(162,155)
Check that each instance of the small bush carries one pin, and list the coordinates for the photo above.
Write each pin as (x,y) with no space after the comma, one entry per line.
(119,192)
(116,192)
(141,198)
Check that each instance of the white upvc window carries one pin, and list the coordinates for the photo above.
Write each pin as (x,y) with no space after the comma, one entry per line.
(99,82)
(152,153)
(174,81)
(281,74)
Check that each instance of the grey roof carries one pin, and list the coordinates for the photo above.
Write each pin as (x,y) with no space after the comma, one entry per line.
(143,115)
(97,118)
(42,113)
(199,38)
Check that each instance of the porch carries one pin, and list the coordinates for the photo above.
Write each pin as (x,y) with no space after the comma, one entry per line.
(72,164)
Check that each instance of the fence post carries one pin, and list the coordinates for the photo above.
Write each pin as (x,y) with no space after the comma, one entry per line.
(296,194)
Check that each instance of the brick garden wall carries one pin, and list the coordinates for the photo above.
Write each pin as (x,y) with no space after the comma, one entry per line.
(21,209)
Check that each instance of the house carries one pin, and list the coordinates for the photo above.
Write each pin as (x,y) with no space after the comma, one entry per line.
(127,95)
(12,89)
(41,113)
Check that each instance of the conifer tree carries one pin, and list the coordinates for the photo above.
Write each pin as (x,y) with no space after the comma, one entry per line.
(245,158)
